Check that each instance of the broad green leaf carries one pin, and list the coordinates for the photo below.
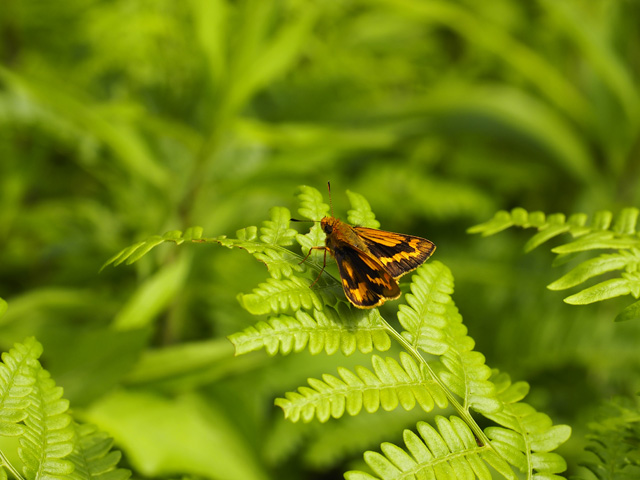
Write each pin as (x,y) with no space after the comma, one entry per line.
(152,296)
(138,421)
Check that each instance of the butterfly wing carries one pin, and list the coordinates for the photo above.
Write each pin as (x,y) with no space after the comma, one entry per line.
(365,281)
(398,253)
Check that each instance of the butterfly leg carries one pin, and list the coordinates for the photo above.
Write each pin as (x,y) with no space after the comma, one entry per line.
(324,263)
(312,249)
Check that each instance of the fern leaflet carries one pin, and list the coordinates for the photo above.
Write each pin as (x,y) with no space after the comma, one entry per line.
(604,232)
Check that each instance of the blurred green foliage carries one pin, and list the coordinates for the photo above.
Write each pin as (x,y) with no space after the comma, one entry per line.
(124,119)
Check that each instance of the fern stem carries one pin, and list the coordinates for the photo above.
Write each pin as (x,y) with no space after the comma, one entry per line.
(5,463)
(462,412)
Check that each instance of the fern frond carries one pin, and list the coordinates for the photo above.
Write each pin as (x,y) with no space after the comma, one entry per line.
(48,434)
(135,252)
(550,226)
(287,294)
(433,325)
(526,437)
(330,330)
(93,456)
(17,377)
(614,441)
(389,384)
(447,451)
(451,450)
(50,445)
(603,233)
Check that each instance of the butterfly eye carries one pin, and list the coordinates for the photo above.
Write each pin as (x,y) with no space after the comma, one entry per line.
(327,229)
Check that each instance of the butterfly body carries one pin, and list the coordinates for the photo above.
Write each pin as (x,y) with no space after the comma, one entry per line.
(371,261)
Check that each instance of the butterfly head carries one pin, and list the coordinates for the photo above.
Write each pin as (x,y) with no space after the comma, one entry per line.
(328,224)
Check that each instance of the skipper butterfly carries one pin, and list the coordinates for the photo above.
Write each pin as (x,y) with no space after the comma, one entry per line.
(371,261)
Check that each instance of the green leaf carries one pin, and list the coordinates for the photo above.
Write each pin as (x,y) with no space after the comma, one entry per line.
(525,436)
(593,267)
(500,221)
(281,263)
(626,222)
(631,312)
(312,205)
(93,457)
(135,252)
(550,439)
(425,315)
(272,56)
(330,330)
(276,231)
(139,421)
(448,450)
(153,295)
(602,291)
(613,438)
(286,295)
(603,232)
(434,325)
(389,384)
(48,437)
(18,373)
(598,241)
(360,213)
(545,235)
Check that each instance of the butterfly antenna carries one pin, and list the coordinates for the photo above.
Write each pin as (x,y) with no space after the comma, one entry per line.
(330,202)
(299,220)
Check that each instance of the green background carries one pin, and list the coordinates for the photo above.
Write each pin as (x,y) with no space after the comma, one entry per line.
(124,119)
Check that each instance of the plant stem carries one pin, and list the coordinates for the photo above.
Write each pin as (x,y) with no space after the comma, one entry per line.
(462,412)
(5,463)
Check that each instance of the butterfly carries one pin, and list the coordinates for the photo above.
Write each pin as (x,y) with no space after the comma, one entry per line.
(371,261)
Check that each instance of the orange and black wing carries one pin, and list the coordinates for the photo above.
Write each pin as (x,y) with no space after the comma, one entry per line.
(365,281)
(398,253)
